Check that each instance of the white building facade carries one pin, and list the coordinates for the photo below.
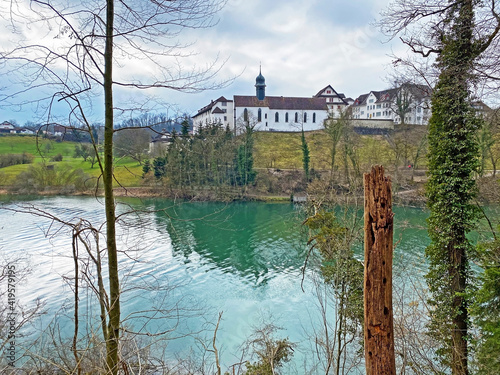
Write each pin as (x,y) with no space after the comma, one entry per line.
(272,113)
(408,103)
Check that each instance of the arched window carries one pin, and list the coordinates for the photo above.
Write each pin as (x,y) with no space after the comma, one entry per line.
(314,117)
(276,117)
(305,116)
(245,115)
(286,117)
(296,117)
(259,115)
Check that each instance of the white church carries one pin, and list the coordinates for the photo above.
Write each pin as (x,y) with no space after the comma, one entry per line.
(272,113)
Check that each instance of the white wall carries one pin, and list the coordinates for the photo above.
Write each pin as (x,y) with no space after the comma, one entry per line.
(269,124)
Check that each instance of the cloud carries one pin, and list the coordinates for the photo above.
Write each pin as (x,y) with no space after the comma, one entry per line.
(302,46)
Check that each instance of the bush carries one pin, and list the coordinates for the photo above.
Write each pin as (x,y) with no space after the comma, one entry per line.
(57,157)
(62,178)
(7,160)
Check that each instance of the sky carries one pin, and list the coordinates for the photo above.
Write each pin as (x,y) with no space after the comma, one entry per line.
(301,46)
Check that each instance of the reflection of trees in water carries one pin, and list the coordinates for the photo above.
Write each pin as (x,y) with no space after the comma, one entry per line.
(251,238)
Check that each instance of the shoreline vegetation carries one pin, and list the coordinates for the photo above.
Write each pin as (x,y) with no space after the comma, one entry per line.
(278,171)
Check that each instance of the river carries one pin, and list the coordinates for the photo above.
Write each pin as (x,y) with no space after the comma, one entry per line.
(185,263)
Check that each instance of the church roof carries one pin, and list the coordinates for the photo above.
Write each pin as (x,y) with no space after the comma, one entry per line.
(281,102)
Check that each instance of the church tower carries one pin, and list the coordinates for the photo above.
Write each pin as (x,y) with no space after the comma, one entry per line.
(260,86)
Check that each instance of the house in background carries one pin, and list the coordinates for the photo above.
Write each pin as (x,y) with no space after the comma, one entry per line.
(272,113)
(159,144)
(409,103)
(7,127)
(59,130)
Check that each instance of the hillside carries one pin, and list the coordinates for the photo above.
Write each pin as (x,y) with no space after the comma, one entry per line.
(271,151)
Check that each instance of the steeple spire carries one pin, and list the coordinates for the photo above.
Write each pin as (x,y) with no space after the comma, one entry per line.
(260,85)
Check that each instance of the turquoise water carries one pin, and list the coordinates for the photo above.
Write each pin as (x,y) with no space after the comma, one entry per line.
(185,263)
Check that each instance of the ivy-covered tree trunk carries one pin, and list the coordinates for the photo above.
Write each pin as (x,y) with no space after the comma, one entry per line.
(453,156)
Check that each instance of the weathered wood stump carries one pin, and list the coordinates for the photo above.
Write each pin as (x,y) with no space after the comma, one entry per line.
(378,328)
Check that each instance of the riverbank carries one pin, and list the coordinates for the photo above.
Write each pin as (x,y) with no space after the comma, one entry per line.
(410,195)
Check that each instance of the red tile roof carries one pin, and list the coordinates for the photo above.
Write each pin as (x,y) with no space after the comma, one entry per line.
(281,102)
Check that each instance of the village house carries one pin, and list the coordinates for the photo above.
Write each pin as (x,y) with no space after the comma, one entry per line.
(272,113)
(159,144)
(7,127)
(409,103)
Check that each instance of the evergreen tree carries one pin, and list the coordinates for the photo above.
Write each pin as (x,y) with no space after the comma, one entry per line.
(185,128)
(305,155)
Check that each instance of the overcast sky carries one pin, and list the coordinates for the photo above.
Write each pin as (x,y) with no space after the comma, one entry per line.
(303,46)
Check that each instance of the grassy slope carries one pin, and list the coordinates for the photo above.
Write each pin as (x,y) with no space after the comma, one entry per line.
(283,150)
(128,171)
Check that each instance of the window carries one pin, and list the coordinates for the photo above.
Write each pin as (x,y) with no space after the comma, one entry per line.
(328,91)
(314,117)
(224,104)
(305,116)
(378,106)
(276,117)
(225,118)
(286,117)
(378,114)
(296,117)
(370,101)
(245,115)
(259,115)
(265,116)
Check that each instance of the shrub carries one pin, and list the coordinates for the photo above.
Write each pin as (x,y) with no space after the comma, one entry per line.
(63,178)
(7,160)
(57,157)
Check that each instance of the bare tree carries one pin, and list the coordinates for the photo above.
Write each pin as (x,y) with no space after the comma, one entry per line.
(88,48)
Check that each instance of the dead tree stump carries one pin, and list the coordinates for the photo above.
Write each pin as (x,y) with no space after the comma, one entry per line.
(378,326)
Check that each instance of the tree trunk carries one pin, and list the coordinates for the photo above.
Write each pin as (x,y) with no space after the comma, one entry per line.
(378,329)
(114,285)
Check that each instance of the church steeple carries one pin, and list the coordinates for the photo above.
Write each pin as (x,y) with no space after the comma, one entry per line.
(260,85)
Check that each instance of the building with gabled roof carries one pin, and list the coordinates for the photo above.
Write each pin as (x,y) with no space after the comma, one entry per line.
(7,127)
(409,103)
(335,102)
(218,111)
(272,113)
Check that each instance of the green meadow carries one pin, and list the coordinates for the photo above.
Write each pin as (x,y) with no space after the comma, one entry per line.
(127,171)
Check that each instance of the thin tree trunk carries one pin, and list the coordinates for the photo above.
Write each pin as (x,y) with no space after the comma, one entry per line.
(378,328)
(112,342)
